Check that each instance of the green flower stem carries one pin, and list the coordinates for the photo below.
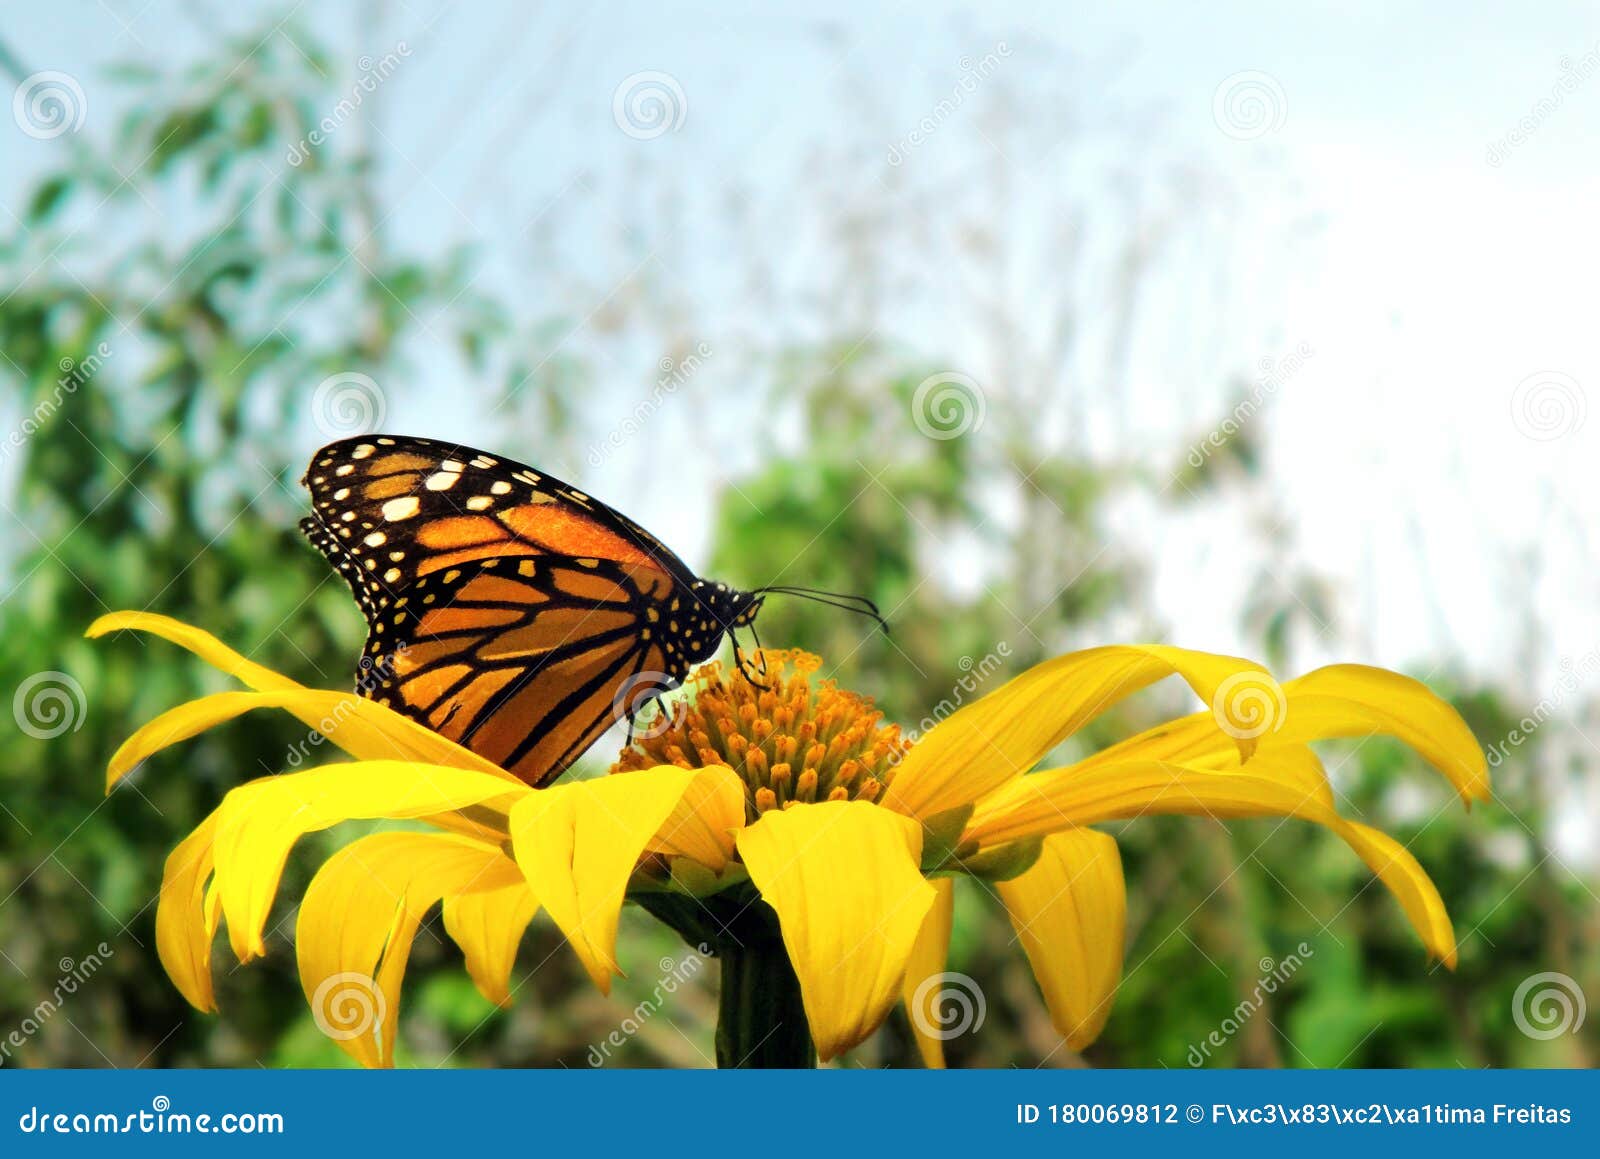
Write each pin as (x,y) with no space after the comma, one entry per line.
(761,1021)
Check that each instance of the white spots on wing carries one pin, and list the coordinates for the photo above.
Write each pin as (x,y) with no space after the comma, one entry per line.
(500,487)
(344,469)
(442,480)
(480,503)
(376,539)
(362,451)
(402,508)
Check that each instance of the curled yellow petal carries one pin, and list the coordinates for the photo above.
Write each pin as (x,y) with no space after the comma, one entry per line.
(487,921)
(1353,700)
(357,922)
(924,968)
(843,878)
(1062,798)
(203,644)
(1070,913)
(187,914)
(1004,734)
(261,821)
(578,844)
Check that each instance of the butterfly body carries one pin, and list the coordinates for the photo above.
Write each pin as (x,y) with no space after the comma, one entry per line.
(506,609)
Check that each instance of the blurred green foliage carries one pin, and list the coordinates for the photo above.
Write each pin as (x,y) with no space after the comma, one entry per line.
(165,480)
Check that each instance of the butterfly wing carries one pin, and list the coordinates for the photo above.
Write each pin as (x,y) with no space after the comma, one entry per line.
(506,609)
(525,662)
(401,508)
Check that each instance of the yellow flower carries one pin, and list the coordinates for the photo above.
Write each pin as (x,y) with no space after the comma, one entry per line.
(795,794)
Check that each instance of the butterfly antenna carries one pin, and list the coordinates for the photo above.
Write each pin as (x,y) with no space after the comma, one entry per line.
(844,601)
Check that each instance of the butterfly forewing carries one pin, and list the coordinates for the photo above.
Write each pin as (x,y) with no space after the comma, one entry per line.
(405,507)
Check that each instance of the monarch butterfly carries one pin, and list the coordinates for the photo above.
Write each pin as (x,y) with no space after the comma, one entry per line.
(507,610)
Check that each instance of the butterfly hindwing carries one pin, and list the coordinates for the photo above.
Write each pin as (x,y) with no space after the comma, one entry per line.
(526,661)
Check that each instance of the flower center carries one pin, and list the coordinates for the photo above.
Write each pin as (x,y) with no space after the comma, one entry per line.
(795,739)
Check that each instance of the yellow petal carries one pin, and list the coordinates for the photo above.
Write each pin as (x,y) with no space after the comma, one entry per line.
(363,728)
(487,921)
(1061,798)
(843,877)
(1070,913)
(578,844)
(1004,734)
(924,968)
(187,915)
(1352,700)
(261,821)
(357,922)
(203,644)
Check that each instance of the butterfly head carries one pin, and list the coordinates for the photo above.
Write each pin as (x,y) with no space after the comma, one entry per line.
(728,608)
